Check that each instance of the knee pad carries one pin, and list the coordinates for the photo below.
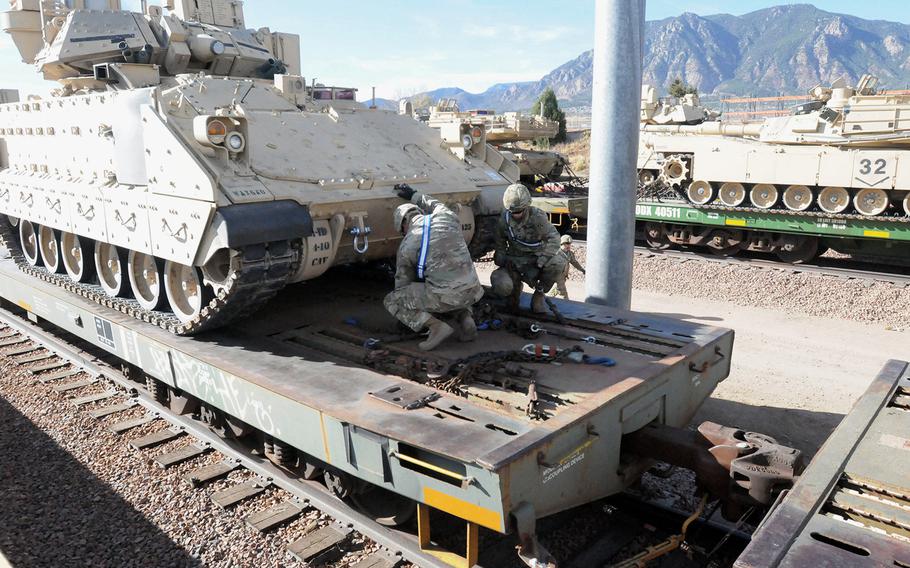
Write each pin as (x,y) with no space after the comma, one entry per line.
(501,282)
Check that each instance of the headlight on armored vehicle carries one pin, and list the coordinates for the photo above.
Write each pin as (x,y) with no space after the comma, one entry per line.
(235,142)
(467,141)
(477,133)
(216,131)
(219,132)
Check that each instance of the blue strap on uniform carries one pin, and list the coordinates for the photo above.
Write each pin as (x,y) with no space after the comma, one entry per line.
(424,249)
(512,236)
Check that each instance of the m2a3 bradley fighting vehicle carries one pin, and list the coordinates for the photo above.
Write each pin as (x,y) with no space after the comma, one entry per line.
(504,131)
(845,154)
(184,171)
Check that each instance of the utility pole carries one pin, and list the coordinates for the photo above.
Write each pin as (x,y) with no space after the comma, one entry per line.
(618,44)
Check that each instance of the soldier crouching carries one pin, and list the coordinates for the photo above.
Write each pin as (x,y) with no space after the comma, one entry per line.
(526,250)
(435,273)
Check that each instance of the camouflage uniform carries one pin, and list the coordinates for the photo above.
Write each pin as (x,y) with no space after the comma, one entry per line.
(529,250)
(450,283)
(559,289)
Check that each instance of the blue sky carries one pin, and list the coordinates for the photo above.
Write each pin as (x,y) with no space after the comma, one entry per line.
(407,46)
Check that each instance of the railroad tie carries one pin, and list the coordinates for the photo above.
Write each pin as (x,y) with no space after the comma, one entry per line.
(23,350)
(13,340)
(210,472)
(50,367)
(231,496)
(121,427)
(319,543)
(180,455)
(104,411)
(277,515)
(74,385)
(82,401)
(35,358)
(155,438)
(378,560)
(57,376)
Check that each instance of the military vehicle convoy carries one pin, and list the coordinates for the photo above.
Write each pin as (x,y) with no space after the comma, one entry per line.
(841,153)
(504,131)
(839,162)
(184,171)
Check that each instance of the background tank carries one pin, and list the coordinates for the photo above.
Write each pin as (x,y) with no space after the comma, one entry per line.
(847,152)
(504,131)
(184,163)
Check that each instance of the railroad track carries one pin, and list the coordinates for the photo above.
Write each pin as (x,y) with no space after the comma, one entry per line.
(597,534)
(844,269)
(68,370)
(856,271)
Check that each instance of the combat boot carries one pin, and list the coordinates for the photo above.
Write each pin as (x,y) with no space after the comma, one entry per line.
(538,303)
(467,329)
(439,332)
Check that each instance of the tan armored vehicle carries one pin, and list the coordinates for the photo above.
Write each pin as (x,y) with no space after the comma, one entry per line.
(184,171)
(504,131)
(845,152)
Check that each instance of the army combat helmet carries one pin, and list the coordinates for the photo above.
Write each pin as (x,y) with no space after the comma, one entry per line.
(402,214)
(565,240)
(516,198)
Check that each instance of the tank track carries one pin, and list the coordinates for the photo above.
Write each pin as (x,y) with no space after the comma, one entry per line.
(261,271)
(820,214)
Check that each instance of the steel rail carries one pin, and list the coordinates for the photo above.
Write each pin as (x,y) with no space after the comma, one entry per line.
(398,543)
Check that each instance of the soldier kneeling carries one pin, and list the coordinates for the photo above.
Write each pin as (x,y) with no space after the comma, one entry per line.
(526,250)
(435,273)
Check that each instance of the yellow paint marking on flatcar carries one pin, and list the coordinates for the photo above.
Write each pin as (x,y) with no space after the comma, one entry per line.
(325,439)
(24,305)
(877,234)
(462,509)
(736,222)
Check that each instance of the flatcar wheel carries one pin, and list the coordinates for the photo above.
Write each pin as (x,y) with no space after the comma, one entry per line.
(28,240)
(110,264)
(75,250)
(871,202)
(725,243)
(700,192)
(798,250)
(732,194)
(797,197)
(907,204)
(145,279)
(763,195)
(185,291)
(384,507)
(834,200)
(655,237)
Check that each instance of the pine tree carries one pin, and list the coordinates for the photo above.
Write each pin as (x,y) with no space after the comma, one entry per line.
(680,89)
(548,107)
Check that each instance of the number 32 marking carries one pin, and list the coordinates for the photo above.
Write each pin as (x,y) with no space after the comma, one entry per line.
(866,169)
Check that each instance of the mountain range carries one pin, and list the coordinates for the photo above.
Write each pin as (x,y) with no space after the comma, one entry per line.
(784,49)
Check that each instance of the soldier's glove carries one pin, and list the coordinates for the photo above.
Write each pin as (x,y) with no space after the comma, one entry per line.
(499,258)
(543,261)
(405,191)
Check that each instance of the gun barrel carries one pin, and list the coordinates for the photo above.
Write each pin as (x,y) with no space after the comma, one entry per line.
(708,128)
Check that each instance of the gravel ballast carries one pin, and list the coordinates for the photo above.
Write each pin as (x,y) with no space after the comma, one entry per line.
(876,303)
(74,494)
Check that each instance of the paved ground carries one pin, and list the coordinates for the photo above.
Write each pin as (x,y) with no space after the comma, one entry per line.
(794,376)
